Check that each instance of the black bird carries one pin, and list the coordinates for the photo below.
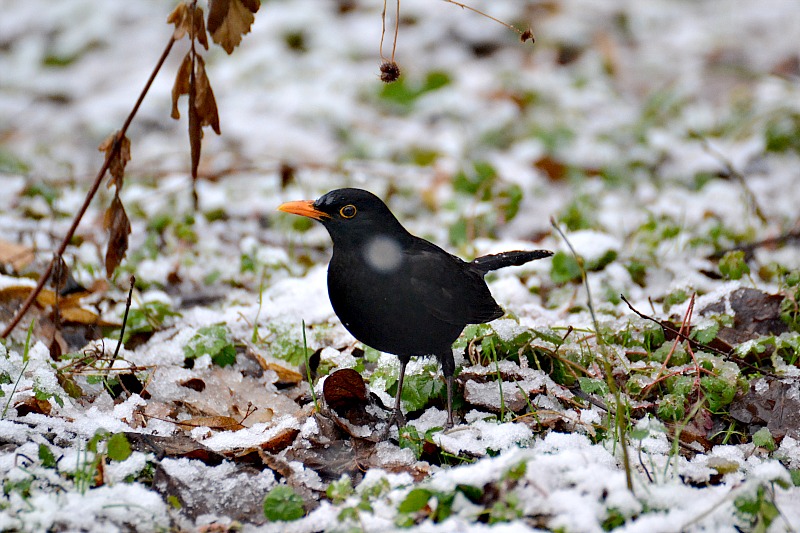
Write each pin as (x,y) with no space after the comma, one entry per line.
(398,293)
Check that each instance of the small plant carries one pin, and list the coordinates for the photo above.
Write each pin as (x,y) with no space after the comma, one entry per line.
(283,504)
(212,340)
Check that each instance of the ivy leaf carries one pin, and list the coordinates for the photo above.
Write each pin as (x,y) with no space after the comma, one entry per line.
(283,504)
(118,447)
(415,501)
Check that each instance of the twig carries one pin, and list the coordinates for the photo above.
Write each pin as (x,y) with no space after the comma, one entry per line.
(729,168)
(89,197)
(665,326)
(125,317)
(748,249)
(527,33)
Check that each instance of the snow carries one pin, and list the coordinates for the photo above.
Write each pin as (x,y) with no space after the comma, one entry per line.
(620,116)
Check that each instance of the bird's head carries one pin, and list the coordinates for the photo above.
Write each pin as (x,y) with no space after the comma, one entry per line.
(349,215)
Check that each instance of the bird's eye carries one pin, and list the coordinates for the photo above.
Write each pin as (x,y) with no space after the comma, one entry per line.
(348,211)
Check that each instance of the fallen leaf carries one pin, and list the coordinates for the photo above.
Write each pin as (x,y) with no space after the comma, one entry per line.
(344,388)
(16,255)
(119,227)
(33,405)
(217,423)
(228,20)
(280,441)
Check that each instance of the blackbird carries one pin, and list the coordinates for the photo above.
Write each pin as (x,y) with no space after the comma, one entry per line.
(398,293)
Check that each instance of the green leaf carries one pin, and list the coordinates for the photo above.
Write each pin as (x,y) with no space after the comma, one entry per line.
(415,501)
(564,268)
(46,456)
(214,341)
(719,392)
(118,447)
(706,335)
(763,439)
(593,386)
(733,265)
(339,490)
(283,504)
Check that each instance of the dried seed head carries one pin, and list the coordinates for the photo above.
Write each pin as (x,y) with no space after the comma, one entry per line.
(390,71)
(527,35)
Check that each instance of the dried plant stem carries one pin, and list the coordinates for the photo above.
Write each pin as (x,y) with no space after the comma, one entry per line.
(125,316)
(479,12)
(89,197)
(619,413)
(383,30)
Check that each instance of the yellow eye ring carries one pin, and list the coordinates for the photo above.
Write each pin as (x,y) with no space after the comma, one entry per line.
(348,211)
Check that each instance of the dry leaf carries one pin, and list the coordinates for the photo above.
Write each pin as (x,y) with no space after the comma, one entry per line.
(280,441)
(119,227)
(119,159)
(33,405)
(181,16)
(181,85)
(345,388)
(228,20)
(16,255)
(219,423)
(286,376)
(205,103)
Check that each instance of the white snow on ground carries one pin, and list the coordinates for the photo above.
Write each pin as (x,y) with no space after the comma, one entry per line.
(609,87)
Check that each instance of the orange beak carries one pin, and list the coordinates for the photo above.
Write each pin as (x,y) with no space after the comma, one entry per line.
(303,208)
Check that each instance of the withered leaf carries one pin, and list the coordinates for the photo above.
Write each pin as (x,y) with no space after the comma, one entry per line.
(219,423)
(228,20)
(16,255)
(205,103)
(69,385)
(119,159)
(181,17)
(119,227)
(33,405)
(181,85)
(344,388)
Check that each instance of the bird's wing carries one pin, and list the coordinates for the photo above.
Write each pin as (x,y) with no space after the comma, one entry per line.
(450,289)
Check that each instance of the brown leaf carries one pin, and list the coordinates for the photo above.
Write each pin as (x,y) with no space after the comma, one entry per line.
(181,16)
(344,388)
(16,255)
(194,383)
(181,85)
(280,441)
(118,159)
(33,405)
(218,423)
(228,20)
(205,103)
(119,227)
(775,406)
(69,385)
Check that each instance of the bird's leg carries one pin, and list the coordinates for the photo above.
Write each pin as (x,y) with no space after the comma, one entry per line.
(397,416)
(448,369)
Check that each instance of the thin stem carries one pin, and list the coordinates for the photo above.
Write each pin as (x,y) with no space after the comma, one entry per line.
(125,316)
(89,196)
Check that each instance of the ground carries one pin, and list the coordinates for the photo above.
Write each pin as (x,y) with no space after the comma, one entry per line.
(645,378)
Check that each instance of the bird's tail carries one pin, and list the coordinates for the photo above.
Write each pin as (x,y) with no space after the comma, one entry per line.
(487,263)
